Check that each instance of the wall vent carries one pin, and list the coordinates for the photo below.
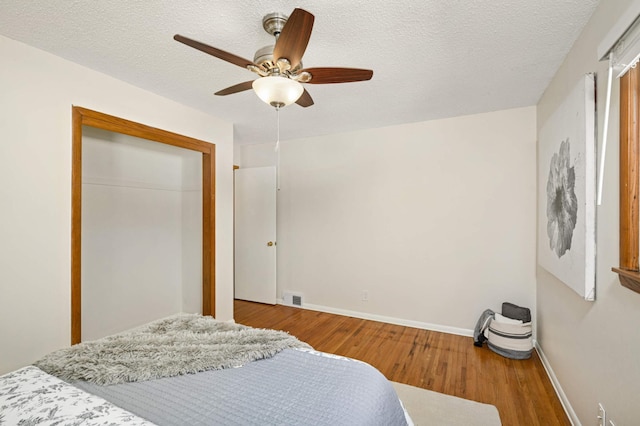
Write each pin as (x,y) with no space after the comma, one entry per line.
(292,299)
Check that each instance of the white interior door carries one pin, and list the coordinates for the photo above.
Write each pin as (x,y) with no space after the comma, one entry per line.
(255,234)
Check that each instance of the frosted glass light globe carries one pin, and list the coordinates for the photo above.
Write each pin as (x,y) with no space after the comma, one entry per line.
(277,91)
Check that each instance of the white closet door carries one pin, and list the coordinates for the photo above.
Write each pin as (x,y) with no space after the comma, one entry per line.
(255,234)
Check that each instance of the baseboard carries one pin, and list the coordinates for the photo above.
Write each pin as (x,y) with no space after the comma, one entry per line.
(382,318)
(573,417)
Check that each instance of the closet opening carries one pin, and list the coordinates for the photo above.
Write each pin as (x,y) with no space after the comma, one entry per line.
(178,174)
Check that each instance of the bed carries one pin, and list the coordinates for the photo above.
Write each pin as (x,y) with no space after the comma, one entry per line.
(194,370)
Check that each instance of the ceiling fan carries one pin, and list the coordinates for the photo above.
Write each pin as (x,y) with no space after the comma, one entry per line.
(279,67)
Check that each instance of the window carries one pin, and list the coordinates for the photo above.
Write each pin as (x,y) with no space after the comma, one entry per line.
(629,179)
(621,46)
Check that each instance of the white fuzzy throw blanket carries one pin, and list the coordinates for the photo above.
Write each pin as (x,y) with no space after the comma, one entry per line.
(181,344)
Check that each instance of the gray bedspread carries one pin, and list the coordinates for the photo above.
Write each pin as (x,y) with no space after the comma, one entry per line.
(295,387)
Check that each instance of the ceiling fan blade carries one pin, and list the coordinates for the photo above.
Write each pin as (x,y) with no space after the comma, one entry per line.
(294,37)
(337,75)
(221,54)
(305,99)
(240,87)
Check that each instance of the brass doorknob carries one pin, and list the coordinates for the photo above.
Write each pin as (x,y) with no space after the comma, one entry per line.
(270,243)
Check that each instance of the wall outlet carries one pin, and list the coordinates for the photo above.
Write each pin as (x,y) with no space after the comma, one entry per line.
(365,295)
(602,416)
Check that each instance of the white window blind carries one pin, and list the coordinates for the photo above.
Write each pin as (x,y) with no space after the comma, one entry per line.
(621,47)
(627,51)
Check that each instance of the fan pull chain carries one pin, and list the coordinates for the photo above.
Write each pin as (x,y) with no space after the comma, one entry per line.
(278,148)
(277,129)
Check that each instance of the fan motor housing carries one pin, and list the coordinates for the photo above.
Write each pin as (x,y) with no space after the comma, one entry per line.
(264,59)
(264,56)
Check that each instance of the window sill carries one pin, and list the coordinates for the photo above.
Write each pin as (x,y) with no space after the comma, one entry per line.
(629,279)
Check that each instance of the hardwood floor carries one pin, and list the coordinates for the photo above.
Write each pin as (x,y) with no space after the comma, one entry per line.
(437,361)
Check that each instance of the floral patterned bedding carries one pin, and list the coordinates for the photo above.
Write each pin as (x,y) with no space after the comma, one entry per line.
(30,396)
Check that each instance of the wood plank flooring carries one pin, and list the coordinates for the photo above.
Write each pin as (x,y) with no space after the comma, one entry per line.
(436,361)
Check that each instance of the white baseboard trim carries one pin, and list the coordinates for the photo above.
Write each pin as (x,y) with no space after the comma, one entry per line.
(382,318)
(573,417)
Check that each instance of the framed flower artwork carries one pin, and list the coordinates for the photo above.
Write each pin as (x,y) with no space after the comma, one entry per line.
(567,189)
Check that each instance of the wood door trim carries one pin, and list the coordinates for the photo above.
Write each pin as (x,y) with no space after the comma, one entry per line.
(132,128)
(86,117)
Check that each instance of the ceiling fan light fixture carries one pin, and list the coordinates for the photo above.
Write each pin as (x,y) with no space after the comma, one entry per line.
(277,91)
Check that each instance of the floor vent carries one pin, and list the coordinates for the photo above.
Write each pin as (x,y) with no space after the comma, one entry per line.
(292,299)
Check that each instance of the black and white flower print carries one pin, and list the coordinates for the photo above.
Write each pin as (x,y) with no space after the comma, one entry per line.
(562,203)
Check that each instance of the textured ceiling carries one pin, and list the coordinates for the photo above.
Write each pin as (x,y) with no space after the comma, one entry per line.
(431,58)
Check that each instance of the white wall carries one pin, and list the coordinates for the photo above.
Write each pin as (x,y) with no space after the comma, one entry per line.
(191,231)
(38,90)
(141,231)
(436,220)
(593,347)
